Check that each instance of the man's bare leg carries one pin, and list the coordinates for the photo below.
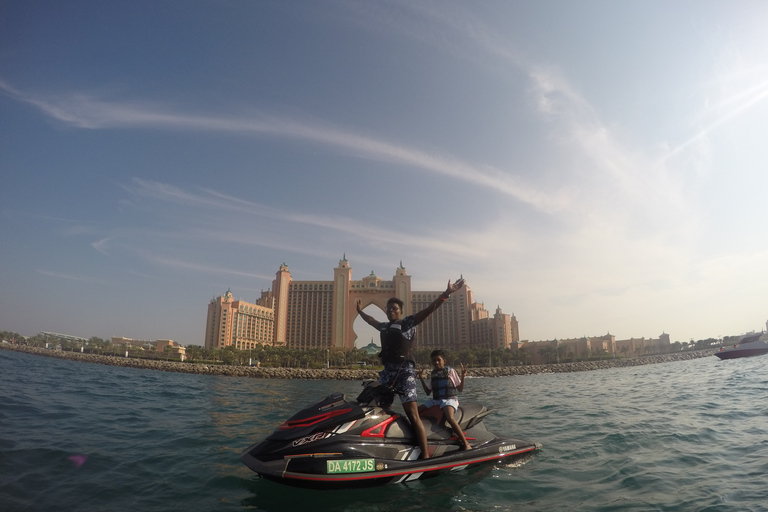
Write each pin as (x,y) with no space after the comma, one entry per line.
(412,411)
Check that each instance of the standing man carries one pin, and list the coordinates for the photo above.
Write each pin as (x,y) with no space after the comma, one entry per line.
(397,342)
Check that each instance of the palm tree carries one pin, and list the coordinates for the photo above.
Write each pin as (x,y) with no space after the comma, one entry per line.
(468,357)
(94,342)
(549,353)
(421,356)
(503,355)
(194,352)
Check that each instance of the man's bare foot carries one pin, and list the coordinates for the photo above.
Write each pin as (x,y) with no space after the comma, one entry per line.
(465,447)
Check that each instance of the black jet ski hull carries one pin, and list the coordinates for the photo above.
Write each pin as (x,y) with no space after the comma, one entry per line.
(343,443)
(317,470)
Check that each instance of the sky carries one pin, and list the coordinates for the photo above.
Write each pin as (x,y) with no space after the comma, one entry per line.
(591,167)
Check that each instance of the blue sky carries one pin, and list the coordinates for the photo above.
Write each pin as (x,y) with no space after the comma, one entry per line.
(588,166)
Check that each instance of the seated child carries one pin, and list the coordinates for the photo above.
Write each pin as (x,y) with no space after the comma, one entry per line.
(444,386)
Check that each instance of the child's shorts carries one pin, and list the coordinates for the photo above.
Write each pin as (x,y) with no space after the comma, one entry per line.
(442,402)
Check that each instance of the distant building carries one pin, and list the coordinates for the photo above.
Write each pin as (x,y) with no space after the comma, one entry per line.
(498,331)
(119,340)
(642,346)
(371,348)
(176,351)
(320,314)
(239,323)
(551,351)
(68,337)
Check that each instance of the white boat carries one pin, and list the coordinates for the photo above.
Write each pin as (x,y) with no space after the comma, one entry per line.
(749,345)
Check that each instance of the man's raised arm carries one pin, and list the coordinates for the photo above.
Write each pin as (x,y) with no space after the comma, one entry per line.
(424,313)
(365,316)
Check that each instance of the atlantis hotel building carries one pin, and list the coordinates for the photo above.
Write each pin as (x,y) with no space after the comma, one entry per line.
(320,314)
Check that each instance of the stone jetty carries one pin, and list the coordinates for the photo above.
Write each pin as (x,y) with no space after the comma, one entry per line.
(344,374)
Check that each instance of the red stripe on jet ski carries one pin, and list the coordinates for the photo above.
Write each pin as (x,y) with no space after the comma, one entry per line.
(380,429)
(311,421)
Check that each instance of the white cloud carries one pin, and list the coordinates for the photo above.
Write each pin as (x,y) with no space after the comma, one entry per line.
(371,234)
(101,245)
(178,264)
(84,111)
(70,277)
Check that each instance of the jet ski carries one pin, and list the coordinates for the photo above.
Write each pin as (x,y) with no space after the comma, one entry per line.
(341,442)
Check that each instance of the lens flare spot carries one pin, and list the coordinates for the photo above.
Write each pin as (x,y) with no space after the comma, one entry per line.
(78,460)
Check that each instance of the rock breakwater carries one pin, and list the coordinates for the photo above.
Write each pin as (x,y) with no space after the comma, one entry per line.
(343,374)
(586,366)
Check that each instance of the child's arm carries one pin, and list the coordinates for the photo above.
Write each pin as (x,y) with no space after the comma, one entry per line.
(460,387)
(427,390)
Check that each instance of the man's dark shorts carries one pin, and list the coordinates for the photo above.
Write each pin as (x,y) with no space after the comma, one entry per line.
(404,378)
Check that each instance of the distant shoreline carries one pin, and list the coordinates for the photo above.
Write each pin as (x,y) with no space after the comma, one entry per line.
(343,374)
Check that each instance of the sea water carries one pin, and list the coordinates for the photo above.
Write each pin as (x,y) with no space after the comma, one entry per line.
(688,435)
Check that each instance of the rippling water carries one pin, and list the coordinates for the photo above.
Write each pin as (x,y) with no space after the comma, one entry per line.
(690,435)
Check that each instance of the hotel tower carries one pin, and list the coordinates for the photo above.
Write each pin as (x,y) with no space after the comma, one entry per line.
(320,314)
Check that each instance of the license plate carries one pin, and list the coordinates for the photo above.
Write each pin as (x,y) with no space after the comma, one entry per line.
(349,466)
